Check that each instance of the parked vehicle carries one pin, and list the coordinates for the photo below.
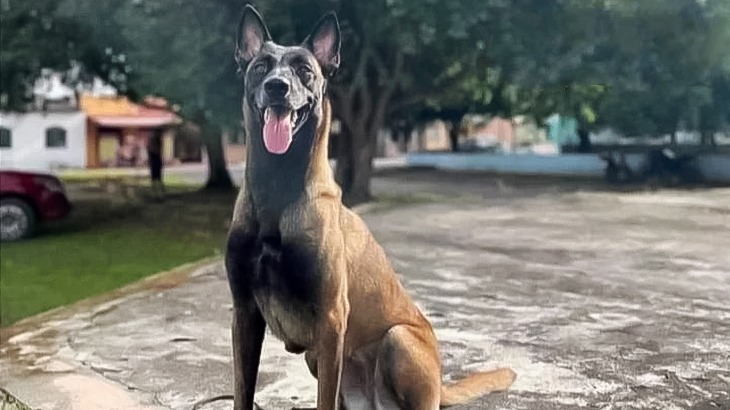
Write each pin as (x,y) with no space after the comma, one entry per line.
(660,168)
(668,168)
(617,169)
(29,198)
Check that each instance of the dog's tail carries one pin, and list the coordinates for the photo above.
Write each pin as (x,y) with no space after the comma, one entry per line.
(476,385)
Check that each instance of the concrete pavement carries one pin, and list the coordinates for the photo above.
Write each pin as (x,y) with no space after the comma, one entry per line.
(597,299)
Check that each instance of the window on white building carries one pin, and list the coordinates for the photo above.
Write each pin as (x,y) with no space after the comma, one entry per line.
(55,137)
(6,138)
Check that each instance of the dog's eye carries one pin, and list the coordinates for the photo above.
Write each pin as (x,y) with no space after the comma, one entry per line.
(260,68)
(305,72)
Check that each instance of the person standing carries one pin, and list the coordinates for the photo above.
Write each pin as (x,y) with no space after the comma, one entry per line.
(154,160)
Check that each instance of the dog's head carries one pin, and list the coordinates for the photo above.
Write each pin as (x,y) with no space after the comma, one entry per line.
(284,85)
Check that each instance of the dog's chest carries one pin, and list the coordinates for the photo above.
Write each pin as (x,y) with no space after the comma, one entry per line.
(287,287)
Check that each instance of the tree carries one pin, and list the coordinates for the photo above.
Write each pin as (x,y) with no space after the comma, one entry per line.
(667,80)
(561,68)
(34,36)
(528,57)
(622,64)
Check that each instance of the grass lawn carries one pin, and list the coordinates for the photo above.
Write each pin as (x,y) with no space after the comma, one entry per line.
(114,236)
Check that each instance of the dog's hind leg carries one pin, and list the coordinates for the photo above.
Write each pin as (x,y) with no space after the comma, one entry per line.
(409,366)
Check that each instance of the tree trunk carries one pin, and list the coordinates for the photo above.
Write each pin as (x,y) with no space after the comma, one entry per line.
(362,107)
(359,191)
(401,135)
(405,138)
(707,138)
(421,138)
(344,169)
(673,135)
(585,140)
(454,136)
(218,176)
(354,166)
(455,118)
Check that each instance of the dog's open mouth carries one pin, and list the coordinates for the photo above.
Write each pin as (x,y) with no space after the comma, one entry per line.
(281,123)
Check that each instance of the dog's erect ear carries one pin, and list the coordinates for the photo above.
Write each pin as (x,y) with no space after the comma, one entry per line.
(324,42)
(250,35)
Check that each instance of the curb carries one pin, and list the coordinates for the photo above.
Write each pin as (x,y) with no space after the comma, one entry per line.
(161,280)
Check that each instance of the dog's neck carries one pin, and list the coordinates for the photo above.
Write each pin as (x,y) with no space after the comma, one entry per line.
(274,182)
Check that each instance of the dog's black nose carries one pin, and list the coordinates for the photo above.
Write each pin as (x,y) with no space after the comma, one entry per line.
(276,87)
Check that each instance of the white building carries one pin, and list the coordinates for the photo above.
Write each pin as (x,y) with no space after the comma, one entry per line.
(81,128)
(42,141)
(51,135)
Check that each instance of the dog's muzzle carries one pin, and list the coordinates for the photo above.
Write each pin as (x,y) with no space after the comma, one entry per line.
(280,125)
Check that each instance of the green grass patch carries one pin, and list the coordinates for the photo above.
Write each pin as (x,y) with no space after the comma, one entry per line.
(106,243)
(172,182)
(52,271)
(141,174)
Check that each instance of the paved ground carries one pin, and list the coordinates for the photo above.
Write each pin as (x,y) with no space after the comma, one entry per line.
(597,299)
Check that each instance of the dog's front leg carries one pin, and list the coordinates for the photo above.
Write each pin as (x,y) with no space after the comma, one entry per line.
(248,325)
(248,336)
(331,332)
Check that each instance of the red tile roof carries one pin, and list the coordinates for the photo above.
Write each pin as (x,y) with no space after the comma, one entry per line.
(120,112)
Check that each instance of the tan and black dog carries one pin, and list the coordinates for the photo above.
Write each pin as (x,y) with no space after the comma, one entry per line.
(307,266)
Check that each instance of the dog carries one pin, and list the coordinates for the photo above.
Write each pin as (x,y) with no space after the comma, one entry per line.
(301,263)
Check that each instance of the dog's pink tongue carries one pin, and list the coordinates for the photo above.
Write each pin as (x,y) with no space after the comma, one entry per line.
(277,131)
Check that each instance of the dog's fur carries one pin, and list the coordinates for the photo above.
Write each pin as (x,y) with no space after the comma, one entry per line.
(307,266)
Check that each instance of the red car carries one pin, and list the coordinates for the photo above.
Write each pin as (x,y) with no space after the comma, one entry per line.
(27,198)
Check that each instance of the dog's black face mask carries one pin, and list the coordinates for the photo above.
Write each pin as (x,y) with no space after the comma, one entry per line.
(284,86)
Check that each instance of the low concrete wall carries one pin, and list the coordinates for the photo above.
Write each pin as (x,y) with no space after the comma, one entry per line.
(715,167)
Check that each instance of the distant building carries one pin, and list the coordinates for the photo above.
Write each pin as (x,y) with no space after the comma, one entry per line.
(498,133)
(87,127)
(117,131)
(508,135)
(562,130)
(52,133)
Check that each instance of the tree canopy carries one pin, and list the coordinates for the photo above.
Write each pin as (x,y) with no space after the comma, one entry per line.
(34,36)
